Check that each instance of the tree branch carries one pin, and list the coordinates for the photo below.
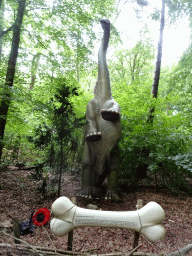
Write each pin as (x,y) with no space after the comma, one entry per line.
(6,31)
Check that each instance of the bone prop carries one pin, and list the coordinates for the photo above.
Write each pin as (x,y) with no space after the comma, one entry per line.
(146,221)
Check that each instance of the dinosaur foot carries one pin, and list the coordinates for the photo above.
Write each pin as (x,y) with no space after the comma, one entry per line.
(110,115)
(93,136)
(85,193)
(112,195)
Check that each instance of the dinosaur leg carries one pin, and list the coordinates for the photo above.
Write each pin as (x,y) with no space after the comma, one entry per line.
(86,183)
(92,133)
(113,176)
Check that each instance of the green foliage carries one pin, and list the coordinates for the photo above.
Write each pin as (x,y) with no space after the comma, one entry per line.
(160,154)
(42,136)
(54,80)
(155,15)
(178,9)
(183,161)
(156,151)
(133,64)
(38,174)
(61,120)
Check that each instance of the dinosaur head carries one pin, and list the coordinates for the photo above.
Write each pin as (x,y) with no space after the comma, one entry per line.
(105,24)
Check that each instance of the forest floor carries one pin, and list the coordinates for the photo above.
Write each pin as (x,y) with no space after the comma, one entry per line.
(19,196)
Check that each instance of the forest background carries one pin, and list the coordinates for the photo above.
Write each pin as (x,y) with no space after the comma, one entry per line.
(43,100)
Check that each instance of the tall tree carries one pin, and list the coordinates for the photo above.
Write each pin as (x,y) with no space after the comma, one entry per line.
(64,34)
(64,122)
(131,65)
(1,24)
(155,85)
(34,67)
(11,69)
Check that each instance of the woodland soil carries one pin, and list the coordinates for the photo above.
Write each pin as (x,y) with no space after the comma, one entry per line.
(19,196)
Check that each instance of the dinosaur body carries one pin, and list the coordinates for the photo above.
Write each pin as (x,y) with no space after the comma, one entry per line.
(103,130)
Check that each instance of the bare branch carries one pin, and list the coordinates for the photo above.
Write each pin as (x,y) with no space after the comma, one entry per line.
(6,31)
(118,12)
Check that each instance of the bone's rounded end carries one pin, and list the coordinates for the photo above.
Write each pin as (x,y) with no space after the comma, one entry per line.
(154,233)
(61,206)
(60,227)
(151,214)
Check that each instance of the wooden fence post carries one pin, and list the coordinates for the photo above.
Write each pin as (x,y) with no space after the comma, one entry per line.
(16,229)
(136,234)
(70,235)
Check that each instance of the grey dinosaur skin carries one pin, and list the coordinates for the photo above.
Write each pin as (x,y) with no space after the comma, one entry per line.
(103,130)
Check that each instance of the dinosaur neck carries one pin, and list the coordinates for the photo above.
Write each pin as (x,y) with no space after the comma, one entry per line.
(103,87)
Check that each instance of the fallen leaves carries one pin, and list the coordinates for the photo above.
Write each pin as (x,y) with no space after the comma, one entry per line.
(19,196)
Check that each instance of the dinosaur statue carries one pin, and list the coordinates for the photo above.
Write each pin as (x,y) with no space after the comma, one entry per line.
(103,130)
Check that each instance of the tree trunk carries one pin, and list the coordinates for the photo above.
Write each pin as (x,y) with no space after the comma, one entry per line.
(1,25)
(34,67)
(61,166)
(155,85)
(77,59)
(11,70)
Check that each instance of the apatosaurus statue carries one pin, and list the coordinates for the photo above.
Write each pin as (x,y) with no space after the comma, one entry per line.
(103,130)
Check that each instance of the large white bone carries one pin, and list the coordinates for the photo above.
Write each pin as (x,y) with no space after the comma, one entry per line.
(145,221)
